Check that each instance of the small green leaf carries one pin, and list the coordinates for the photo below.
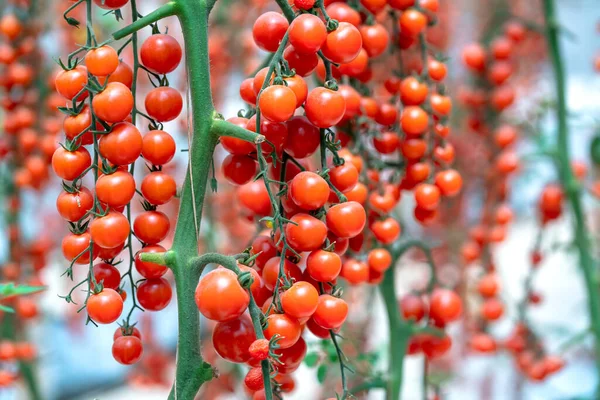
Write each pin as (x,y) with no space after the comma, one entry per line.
(9,289)
(6,309)
(311,359)
(321,373)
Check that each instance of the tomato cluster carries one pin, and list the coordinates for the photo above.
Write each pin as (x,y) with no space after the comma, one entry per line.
(97,164)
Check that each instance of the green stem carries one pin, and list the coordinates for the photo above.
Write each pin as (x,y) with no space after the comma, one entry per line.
(399,330)
(166,10)
(224,128)
(569,183)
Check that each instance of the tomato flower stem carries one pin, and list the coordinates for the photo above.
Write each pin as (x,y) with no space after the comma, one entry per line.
(571,187)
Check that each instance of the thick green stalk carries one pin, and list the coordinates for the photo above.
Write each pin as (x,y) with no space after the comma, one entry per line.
(398,338)
(570,185)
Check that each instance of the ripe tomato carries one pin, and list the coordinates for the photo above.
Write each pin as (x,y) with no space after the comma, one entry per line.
(414,120)
(303,137)
(551,201)
(161,53)
(291,358)
(323,266)
(73,125)
(123,74)
(110,4)
(151,227)
(163,103)
(110,231)
(344,177)
(268,30)
(275,132)
(116,189)
(352,99)
(108,275)
(343,44)
(355,271)
(114,103)
(247,92)
(488,285)
(73,206)
(73,245)
(299,87)
(232,339)
(386,231)
(69,165)
(342,12)
(303,64)
(154,294)
(307,34)
(288,329)
(105,307)
(150,270)
(346,220)
(254,197)
(375,39)
(127,350)
(445,306)
(412,307)
(437,70)
(102,61)
(449,182)
(123,145)
(221,284)
(379,260)
(386,142)
(474,56)
(305,232)
(331,312)
(434,346)
(483,343)
(492,309)
(427,196)
(235,145)
(264,245)
(308,190)
(412,22)
(324,107)
(387,114)
(271,271)
(158,187)
(277,103)
(239,169)
(300,300)
(355,68)
(69,83)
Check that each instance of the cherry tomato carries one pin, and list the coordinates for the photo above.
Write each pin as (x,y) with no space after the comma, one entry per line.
(343,44)
(123,145)
(163,103)
(108,275)
(158,187)
(324,107)
(69,83)
(445,306)
(127,350)
(288,329)
(323,266)
(110,231)
(151,227)
(215,286)
(116,189)
(74,245)
(277,103)
(147,269)
(300,300)
(307,34)
(346,220)
(232,339)
(268,30)
(102,61)
(331,312)
(303,137)
(154,294)
(161,53)
(69,165)
(305,232)
(73,206)
(114,103)
(105,307)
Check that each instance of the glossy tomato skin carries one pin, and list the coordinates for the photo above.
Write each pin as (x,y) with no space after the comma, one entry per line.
(74,245)
(116,189)
(154,294)
(161,53)
(232,339)
(239,169)
(270,271)
(108,275)
(277,103)
(215,286)
(303,64)
(69,165)
(69,83)
(331,312)
(158,187)
(346,220)
(123,145)
(343,44)
(151,227)
(164,103)
(102,61)
(110,4)
(158,147)
(254,197)
(323,266)
(127,350)
(309,190)
(150,270)
(307,34)
(375,39)
(309,234)
(324,107)
(105,307)
(355,272)
(445,306)
(303,137)
(292,357)
(300,300)
(287,328)
(114,103)
(73,206)
(268,30)
(110,231)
